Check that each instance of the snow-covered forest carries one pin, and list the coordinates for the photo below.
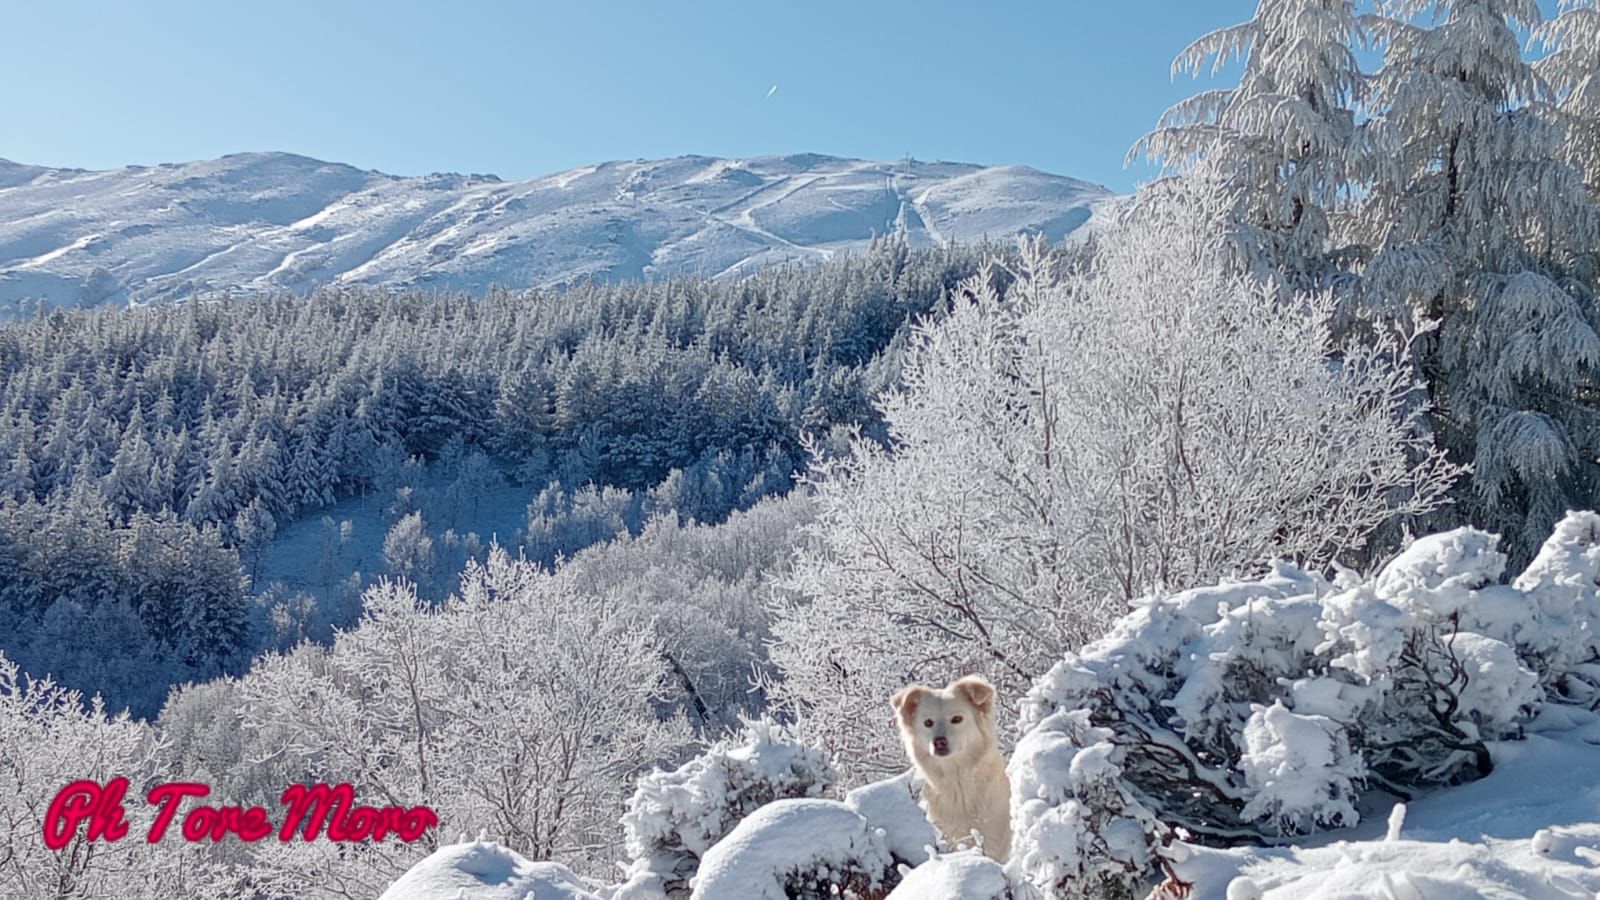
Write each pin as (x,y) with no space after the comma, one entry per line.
(1267,506)
(154,454)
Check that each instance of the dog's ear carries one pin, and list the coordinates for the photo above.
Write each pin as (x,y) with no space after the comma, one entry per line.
(905,700)
(978,691)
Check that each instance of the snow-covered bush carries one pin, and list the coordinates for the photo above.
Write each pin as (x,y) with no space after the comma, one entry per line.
(1262,708)
(891,807)
(1299,770)
(677,815)
(483,870)
(1560,635)
(797,850)
(968,875)
(1078,442)
(1080,832)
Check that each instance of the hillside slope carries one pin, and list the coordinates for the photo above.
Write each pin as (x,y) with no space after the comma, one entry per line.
(267,221)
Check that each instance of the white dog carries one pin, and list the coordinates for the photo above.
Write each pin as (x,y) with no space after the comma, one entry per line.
(949,735)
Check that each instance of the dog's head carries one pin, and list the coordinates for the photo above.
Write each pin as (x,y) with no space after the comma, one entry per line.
(949,725)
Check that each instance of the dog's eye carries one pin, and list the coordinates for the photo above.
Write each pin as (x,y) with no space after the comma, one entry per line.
(955,720)
(927,723)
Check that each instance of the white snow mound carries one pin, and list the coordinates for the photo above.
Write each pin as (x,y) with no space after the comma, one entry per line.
(782,843)
(1529,830)
(483,870)
(968,875)
(891,807)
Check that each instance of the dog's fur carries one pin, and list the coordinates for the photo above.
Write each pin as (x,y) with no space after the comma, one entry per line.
(965,788)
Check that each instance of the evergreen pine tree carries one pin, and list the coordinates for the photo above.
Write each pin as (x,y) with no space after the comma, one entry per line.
(1572,68)
(1479,224)
(1284,140)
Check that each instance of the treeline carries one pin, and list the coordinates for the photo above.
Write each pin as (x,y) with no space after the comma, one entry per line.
(141,450)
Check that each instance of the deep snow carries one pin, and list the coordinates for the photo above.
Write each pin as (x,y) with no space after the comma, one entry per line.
(260,221)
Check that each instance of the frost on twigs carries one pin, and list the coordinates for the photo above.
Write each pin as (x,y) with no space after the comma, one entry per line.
(1075,442)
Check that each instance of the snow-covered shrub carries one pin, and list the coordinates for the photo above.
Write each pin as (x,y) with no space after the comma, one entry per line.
(1428,691)
(891,807)
(1560,635)
(1080,832)
(483,870)
(1076,442)
(1262,708)
(677,815)
(968,875)
(1299,770)
(797,850)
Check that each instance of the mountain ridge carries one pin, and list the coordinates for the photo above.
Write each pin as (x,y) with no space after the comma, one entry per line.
(267,221)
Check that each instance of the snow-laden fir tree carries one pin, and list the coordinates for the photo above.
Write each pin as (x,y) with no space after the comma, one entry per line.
(1059,451)
(1480,226)
(1284,139)
(1572,70)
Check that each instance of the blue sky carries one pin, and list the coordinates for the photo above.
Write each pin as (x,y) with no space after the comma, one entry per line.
(524,89)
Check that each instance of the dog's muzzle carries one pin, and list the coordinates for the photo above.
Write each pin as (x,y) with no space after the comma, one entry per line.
(941,746)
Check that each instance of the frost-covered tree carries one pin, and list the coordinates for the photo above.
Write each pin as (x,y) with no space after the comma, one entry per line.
(407,548)
(127,487)
(1081,441)
(559,523)
(1480,227)
(122,610)
(1284,139)
(1572,69)
(253,529)
(704,590)
(50,737)
(522,706)
(16,480)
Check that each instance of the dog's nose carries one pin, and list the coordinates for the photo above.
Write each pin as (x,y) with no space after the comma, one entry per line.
(941,746)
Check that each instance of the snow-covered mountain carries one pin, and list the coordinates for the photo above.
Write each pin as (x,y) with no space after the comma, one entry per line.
(260,221)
